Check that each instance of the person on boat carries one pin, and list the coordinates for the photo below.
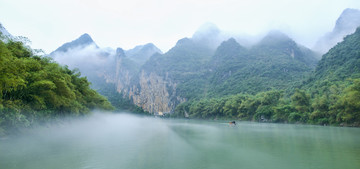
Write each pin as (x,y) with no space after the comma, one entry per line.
(232,123)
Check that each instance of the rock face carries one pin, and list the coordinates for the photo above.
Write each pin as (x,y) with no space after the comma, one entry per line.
(154,93)
(122,75)
(148,90)
(346,24)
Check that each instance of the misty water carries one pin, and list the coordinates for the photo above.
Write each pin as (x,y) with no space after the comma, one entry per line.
(122,141)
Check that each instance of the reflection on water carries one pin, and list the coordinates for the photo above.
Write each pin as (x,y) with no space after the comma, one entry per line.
(113,141)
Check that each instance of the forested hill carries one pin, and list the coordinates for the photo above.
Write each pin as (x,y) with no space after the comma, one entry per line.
(340,63)
(184,64)
(343,58)
(330,96)
(276,62)
(35,89)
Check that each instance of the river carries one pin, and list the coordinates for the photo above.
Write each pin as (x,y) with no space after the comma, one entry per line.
(123,141)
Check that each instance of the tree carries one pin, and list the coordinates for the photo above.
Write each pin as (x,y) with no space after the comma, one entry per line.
(348,106)
(301,101)
(35,89)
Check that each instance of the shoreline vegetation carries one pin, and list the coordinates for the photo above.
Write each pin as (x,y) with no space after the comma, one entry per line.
(35,89)
(338,107)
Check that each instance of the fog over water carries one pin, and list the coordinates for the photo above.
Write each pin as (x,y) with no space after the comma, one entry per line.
(127,141)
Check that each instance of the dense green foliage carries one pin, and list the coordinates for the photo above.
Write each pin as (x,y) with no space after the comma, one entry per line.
(276,62)
(330,96)
(35,89)
(184,64)
(340,63)
(340,107)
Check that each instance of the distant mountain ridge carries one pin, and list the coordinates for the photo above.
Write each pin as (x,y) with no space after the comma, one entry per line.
(274,63)
(193,69)
(142,53)
(209,64)
(210,35)
(139,54)
(346,24)
(5,35)
(4,31)
(82,41)
(348,20)
(287,46)
(204,65)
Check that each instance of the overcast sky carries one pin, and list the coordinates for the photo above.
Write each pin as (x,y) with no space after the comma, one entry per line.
(118,23)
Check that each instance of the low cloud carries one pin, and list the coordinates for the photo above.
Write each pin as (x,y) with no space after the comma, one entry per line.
(90,60)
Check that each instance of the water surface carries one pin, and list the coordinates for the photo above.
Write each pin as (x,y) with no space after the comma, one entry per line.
(121,141)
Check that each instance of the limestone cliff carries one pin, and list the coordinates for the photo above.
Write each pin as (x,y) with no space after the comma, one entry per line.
(122,73)
(154,93)
(121,70)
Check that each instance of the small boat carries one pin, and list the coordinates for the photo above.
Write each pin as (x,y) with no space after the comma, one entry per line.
(232,123)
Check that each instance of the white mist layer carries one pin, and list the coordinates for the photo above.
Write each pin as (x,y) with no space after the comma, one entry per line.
(123,141)
(86,58)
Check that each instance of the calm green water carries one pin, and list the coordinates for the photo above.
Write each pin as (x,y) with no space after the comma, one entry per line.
(123,141)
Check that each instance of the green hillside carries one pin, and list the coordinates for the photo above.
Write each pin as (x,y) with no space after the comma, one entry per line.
(340,63)
(184,64)
(276,62)
(331,95)
(35,89)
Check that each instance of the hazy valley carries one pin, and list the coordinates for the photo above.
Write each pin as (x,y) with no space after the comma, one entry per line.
(143,85)
(212,65)
(214,75)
